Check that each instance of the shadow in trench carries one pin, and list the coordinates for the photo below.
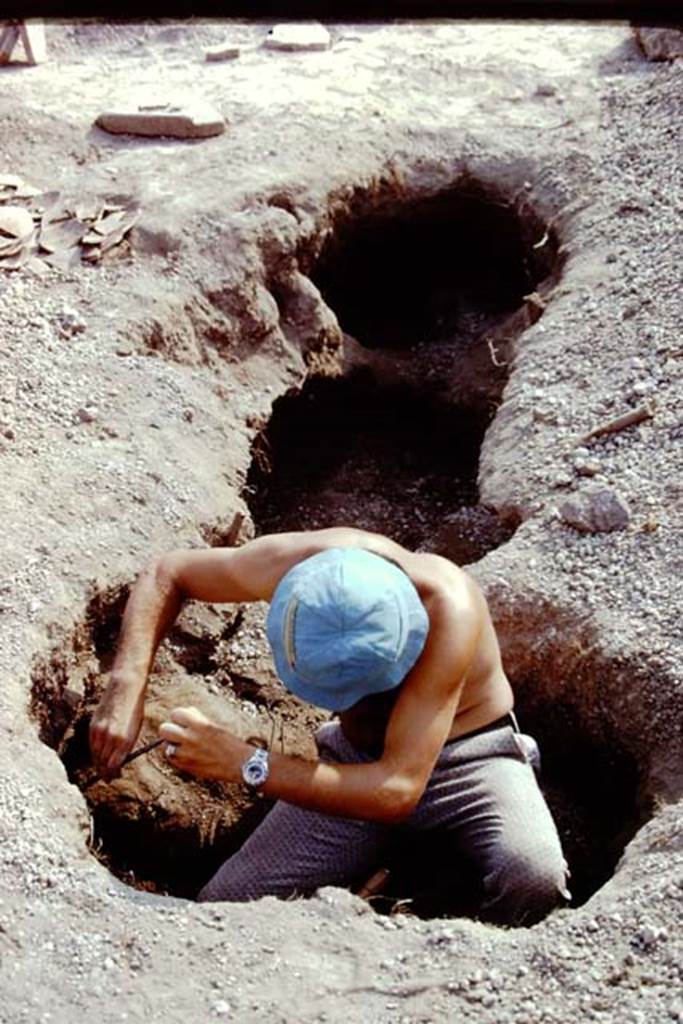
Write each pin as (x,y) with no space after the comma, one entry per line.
(357,452)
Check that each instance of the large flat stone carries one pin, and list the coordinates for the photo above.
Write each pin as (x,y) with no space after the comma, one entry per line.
(196,122)
(299,37)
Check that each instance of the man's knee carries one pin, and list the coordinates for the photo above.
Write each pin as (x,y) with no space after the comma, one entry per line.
(223,888)
(525,883)
(235,882)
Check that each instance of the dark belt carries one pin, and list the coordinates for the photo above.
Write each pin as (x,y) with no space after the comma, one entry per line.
(498,723)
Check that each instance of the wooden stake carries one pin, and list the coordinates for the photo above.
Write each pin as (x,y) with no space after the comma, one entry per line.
(33,37)
(629,419)
(374,884)
(233,533)
(8,40)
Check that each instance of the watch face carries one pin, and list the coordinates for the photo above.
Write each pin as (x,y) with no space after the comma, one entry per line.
(255,774)
(255,769)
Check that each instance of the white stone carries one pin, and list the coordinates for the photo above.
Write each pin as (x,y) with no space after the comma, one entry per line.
(195,121)
(303,37)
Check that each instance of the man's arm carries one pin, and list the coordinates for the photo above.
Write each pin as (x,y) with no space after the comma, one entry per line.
(384,790)
(248,573)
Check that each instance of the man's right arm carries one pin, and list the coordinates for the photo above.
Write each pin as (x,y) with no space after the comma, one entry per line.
(248,573)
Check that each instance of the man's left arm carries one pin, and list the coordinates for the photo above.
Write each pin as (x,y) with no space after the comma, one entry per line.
(384,790)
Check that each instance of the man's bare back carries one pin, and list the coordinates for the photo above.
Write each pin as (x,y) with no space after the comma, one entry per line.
(486,694)
(456,686)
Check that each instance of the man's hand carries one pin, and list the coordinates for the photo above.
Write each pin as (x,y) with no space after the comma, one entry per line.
(114,727)
(203,748)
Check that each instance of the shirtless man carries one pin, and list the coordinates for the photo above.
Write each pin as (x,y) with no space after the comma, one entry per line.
(402,648)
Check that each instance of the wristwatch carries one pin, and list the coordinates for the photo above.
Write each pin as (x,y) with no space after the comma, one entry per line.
(255,769)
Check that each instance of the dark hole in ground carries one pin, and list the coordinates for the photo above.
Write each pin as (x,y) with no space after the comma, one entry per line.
(434,289)
(172,845)
(386,458)
(592,789)
(424,271)
(391,446)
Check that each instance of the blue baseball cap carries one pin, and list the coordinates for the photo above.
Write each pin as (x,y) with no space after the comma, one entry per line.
(344,624)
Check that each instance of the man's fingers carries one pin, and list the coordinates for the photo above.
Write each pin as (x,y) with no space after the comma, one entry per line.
(188,716)
(112,767)
(171,732)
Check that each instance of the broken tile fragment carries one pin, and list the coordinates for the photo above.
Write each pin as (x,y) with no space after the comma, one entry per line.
(16,228)
(186,122)
(61,234)
(64,259)
(47,228)
(88,209)
(16,260)
(299,37)
(224,51)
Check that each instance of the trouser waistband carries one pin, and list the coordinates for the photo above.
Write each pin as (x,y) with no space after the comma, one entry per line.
(499,723)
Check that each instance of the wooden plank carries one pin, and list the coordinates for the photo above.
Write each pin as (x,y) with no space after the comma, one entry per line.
(8,40)
(33,37)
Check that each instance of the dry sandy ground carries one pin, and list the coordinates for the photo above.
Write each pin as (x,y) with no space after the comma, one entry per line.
(133,390)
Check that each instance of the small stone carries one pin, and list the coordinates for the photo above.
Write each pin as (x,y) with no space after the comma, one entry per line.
(595,510)
(70,323)
(646,937)
(221,1008)
(586,467)
(224,51)
(85,415)
(304,37)
(546,89)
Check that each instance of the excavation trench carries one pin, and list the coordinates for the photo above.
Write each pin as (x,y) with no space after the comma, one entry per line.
(431,295)
(164,832)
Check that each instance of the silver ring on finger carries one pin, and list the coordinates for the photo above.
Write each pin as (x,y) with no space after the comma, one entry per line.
(171,749)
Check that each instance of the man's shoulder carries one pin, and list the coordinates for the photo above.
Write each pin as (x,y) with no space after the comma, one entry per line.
(441,570)
(443,583)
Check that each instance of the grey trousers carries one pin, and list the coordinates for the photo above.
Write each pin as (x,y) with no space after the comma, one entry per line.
(482,797)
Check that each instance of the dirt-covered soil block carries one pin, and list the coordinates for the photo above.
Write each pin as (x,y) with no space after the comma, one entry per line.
(155,827)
